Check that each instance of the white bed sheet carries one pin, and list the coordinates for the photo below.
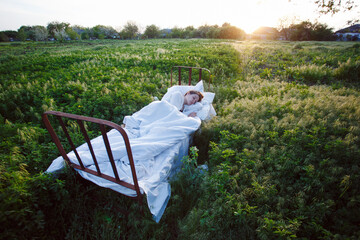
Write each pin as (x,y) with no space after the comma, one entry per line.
(159,137)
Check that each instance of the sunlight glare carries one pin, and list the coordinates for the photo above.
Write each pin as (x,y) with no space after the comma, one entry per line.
(254,14)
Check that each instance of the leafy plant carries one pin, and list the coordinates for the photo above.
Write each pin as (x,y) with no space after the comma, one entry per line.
(281,153)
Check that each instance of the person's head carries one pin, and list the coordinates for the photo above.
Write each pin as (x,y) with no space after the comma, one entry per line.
(192,97)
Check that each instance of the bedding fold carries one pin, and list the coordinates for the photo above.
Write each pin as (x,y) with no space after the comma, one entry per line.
(159,136)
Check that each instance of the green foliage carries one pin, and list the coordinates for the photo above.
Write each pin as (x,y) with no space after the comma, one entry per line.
(231,32)
(281,165)
(103,79)
(306,62)
(4,37)
(310,73)
(307,31)
(130,31)
(282,152)
(152,31)
(348,71)
(55,28)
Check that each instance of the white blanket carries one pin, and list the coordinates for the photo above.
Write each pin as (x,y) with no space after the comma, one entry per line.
(159,136)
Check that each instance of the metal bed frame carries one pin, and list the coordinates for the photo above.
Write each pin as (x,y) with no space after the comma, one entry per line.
(179,68)
(103,125)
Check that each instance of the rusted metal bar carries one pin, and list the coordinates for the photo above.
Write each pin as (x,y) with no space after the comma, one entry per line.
(107,177)
(87,139)
(190,71)
(134,186)
(190,74)
(171,76)
(109,152)
(62,124)
(55,138)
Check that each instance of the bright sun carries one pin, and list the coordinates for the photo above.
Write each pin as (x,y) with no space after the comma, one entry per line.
(251,15)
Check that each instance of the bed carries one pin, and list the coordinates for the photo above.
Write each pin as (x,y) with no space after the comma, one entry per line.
(142,155)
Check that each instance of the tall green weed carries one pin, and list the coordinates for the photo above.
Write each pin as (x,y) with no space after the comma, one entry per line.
(281,153)
(283,160)
(104,79)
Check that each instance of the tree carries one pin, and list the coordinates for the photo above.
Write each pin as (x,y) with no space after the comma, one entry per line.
(152,31)
(203,31)
(307,31)
(40,33)
(165,33)
(207,31)
(73,35)
(81,31)
(214,32)
(101,31)
(301,31)
(334,6)
(56,27)
(21,34)
(4,37)
(130,30)
(85,36)
(60,35)
(284,26)
(8,36)
(177,32)
(231,32)
(189,32)
(26,32)
(321,32)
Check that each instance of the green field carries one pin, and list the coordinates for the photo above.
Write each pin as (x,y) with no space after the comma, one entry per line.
(283,152)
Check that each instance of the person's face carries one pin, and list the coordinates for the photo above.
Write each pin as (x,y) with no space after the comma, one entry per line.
(191,99)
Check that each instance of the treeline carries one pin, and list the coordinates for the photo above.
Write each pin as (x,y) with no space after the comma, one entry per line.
(307,31)
(62,31)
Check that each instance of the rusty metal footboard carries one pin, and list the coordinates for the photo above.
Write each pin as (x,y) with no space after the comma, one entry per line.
(103,124)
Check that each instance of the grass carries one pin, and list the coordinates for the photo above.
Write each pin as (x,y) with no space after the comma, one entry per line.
(282,152)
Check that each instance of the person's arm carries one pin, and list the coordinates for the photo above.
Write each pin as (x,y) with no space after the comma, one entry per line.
(177,100)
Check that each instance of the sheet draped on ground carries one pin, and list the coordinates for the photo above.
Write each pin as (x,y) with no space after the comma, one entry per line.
(159,137)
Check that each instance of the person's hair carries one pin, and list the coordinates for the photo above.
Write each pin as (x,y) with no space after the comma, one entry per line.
(201,96)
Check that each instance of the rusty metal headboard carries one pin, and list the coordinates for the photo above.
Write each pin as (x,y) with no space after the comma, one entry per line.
(190,73)
(102,124)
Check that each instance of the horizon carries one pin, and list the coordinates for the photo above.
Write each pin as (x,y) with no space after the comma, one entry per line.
(248,16)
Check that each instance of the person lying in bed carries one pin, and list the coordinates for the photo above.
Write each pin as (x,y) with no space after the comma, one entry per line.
(191,97)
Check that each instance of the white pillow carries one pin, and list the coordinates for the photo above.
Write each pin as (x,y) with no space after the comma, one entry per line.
(183,89)
(204,113)
(208,97)
(203,109)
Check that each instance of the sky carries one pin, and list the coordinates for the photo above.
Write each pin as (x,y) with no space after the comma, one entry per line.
(245,14)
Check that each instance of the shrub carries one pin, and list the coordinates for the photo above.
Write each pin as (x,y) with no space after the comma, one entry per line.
(348,71)
(298,46)
(311,74)
(281,165)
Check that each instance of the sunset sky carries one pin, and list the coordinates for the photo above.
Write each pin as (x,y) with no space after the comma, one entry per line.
(245,14)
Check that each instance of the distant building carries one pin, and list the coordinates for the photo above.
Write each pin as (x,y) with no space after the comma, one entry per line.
(165,33)
(264,33)
(351,33)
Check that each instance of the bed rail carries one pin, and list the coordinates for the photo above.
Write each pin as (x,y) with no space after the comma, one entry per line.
(179,68)
(103,124)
